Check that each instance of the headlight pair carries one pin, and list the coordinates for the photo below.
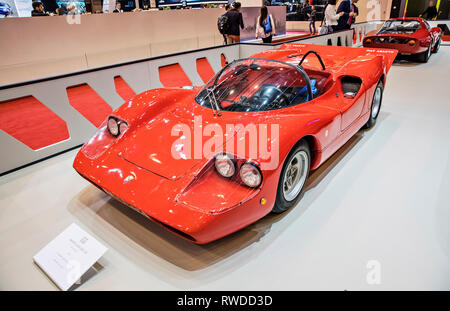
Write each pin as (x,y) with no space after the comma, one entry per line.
(116,126)
(249,172)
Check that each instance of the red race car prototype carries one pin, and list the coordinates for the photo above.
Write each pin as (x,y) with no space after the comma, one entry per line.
(206,162)
(410,36)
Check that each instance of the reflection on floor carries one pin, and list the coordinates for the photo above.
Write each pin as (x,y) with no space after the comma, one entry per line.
(382,198)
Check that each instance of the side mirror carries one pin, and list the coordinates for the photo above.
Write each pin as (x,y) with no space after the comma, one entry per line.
(350,95)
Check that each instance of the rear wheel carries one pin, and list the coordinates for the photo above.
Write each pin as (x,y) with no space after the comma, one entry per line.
(376,105)
(293,177)
(425,55)
(437,45)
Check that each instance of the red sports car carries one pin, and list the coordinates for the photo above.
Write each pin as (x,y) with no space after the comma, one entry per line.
(206,162)
(410,36)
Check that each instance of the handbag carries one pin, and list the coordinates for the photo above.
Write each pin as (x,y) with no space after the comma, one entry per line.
(325,30)
(267,25)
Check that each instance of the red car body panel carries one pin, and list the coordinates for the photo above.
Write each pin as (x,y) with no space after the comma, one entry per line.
(187,196)
(423,37)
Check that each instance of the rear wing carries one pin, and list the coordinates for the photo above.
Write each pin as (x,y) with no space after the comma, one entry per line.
(336,57)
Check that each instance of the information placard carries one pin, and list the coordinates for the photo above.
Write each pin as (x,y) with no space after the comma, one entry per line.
(67,257)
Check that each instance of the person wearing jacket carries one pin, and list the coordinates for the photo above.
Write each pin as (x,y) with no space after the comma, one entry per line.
(235,19)
(312,20)
(430,12)
(50,6)
(345,21)
(265,26)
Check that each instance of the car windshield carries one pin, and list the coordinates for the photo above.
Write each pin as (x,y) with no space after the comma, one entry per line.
(406,27)
(255,85)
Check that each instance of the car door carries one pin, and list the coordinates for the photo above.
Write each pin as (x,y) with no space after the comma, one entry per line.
(351,100)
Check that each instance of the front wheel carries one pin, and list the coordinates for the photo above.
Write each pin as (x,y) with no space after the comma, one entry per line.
(293,177)
(376,105)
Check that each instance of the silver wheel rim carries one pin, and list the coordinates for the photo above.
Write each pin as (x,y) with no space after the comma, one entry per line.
(429,51)
(438,45)
(295,175)
(376,103)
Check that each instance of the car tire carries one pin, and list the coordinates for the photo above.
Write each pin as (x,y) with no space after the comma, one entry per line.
(375,107)
(425,56)
(437,46)
(293,177)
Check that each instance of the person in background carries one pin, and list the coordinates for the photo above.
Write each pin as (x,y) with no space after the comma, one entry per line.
(345,20)
(50,6)
(312,19)
(430,12)
(118,8)
(38,9)
(330,16)
(235,19)
(265,27)
(220,21)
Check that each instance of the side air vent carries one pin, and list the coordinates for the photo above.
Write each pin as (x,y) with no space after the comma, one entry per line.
(350,86)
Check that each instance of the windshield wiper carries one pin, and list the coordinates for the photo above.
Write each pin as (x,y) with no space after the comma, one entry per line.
(210,94)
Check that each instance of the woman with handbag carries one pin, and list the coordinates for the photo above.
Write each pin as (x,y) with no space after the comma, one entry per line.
(330,17)
(265,27)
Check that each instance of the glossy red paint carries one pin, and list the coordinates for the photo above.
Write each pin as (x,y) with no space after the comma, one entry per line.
(422,38)
(187,196)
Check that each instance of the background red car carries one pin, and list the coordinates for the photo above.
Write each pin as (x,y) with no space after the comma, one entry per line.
(410,36)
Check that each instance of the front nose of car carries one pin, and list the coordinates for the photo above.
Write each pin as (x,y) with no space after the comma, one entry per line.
(155,197)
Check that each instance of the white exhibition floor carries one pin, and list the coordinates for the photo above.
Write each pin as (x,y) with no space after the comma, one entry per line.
(385,197)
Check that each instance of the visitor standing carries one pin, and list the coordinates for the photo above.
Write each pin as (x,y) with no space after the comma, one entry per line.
(265,26)
(345,20)
(236,23)
(330,21)
(430,12)
(312,20)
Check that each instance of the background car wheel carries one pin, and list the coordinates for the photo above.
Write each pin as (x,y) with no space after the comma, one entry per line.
(376,105)
(437,46)
(293,177)
(425,55)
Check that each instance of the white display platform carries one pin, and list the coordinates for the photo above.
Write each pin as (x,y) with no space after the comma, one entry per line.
(383,200)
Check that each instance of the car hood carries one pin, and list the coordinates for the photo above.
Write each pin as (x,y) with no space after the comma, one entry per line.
(165,144)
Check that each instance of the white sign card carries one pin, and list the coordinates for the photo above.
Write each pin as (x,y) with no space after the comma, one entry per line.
(67,257)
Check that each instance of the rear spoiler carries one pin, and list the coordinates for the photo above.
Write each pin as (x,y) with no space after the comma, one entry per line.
(337,56)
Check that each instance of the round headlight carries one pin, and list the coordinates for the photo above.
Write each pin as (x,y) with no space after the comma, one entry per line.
(250,175)
(225,165)
(123,127)
(113,126)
